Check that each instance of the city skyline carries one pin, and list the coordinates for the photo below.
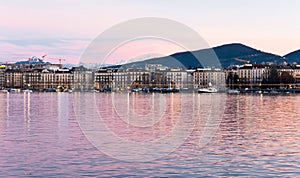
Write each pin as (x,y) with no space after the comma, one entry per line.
(51,27)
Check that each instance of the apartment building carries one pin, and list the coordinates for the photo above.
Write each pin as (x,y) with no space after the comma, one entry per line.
(77,78)
(205,76)
(252,74)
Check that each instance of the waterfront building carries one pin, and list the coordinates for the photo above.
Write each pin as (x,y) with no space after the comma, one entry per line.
(204,76)
(38,78)
(83,79)
(252,74)
(61,79)
(296,73)
(165,77)
(121,79)
(137,78)
(13,78)
(119,82)
(158,75)
(2,78)
(154,75)
(178,78)
(129,78)
(31,79)
(103,78)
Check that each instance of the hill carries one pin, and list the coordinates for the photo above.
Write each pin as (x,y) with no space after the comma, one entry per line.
(227,55)
(293,57)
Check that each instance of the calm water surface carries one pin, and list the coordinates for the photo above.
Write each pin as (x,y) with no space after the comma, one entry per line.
(257,136)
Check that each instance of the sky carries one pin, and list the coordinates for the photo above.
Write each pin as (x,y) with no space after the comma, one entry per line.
(64,28)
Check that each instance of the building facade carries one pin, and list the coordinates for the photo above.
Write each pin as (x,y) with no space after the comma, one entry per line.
(206,76)
(77,78)
(252,74)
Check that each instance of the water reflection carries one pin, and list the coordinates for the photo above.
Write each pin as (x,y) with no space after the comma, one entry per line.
(258,136)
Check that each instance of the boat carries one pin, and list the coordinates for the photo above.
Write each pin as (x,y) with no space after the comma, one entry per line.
(156,89)
(274,92)
(137,90)
(27,91)
(265,92)
(69,91)
(3,91)
(169,90)
(209,89)
(50,90)
(233,91)
(14,90)
(258,92)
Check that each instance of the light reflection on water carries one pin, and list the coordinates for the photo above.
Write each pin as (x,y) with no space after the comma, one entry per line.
(258,136)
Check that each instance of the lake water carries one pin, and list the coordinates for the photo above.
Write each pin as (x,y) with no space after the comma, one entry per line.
(153,135)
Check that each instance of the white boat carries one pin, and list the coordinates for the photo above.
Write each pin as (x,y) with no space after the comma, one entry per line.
(233,91)
(13,90)
(258,92)
(209,89)
(27,91)
(137,90)
(70,91)
(3,91)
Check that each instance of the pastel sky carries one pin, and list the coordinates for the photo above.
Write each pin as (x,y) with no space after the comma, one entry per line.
(64,28)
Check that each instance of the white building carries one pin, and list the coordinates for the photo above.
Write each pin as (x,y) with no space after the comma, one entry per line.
(204,76)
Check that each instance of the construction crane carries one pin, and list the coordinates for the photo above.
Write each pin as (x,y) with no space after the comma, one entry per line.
(242,60)
(13,63)
(43,57)
(60,60)
(10,60)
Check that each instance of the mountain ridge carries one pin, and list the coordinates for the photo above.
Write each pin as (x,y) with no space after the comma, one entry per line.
(293,56)
(228,54)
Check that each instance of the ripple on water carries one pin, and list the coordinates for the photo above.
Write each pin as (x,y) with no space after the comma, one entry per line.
(258,136)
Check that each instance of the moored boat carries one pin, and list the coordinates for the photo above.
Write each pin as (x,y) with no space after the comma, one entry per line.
(137,90)
(233,91)
(3,91)
(169,90)
(50,90)
(27,91)
(209,89)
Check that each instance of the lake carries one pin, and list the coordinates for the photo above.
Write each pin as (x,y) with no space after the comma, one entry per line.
(149,135)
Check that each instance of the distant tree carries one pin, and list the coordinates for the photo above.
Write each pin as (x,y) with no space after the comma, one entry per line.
(229,80)
(232,80)
(264,83)
(272,80)
(273,76)
(286,78)
(236,79)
